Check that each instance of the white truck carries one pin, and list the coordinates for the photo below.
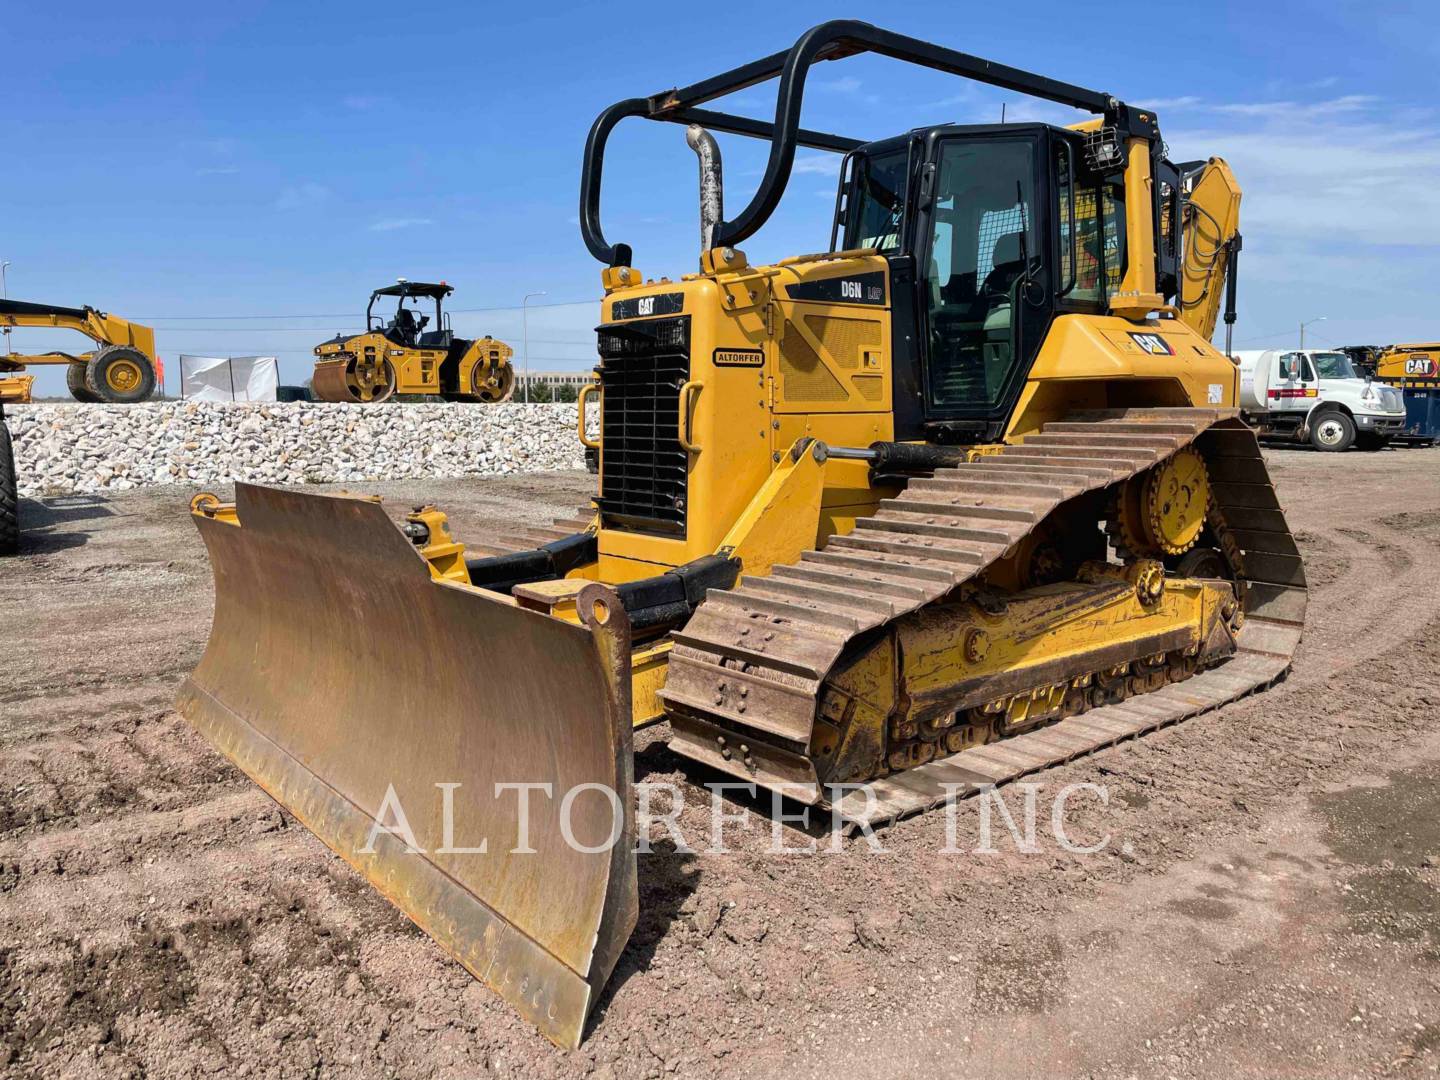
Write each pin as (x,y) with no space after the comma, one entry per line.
(1317,396)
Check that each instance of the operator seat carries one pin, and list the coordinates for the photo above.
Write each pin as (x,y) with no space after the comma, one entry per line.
(403,329)
(1007,264)
(996,348)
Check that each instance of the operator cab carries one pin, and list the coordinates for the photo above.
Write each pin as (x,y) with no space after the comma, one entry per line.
(406,327)
(991,231)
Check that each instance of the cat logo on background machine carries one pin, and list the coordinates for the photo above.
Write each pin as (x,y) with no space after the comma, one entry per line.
(1415,369)
(911,509)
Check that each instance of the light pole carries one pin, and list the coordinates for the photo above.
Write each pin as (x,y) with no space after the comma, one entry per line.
(525,334)
(1305,324)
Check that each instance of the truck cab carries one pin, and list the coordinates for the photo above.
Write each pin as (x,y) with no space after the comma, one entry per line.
(1317,396)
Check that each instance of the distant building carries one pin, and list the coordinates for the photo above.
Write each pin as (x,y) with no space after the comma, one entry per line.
(555,379)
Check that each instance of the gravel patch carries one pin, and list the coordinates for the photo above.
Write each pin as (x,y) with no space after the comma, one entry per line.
(63,449)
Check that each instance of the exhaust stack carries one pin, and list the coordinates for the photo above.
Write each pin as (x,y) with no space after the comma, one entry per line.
(712,184)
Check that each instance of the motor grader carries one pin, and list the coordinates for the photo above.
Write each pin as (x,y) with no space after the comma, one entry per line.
(123,368)
(399,356)
(963,496)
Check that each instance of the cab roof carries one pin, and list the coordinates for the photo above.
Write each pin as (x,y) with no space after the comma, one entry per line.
(436,290)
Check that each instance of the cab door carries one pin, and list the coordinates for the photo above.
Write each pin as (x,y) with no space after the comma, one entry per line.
(986,293)
(1293,383)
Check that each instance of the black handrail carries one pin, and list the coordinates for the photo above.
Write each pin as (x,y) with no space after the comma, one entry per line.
(829,41)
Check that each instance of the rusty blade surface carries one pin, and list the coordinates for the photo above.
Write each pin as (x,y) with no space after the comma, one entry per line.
(344,680)
(328,381)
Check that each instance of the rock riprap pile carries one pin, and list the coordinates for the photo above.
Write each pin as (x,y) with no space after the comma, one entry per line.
(87,448)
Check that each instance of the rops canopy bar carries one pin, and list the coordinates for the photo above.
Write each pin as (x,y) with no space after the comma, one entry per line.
(828,41)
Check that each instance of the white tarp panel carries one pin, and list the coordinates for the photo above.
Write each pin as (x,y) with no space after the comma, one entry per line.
(229,378)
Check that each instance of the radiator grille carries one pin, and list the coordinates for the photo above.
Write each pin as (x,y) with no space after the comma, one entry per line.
(643,467)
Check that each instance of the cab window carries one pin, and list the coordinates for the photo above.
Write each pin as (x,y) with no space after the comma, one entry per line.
(1080,232)
(1112,211)
(984,254)
(876,203)
(1334,365)
(1098,225)
(1295,366)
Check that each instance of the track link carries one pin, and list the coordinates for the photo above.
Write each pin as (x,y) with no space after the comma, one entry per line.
(754,658)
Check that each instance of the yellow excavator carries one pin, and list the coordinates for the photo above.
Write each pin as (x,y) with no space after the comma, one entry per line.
(123,369)
(961,497)
(399,356)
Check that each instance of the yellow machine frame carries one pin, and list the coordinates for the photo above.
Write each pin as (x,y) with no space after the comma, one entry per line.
(125,374)
(387,360)
(819,571)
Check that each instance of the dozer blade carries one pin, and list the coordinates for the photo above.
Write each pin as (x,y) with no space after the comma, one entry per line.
(354,688)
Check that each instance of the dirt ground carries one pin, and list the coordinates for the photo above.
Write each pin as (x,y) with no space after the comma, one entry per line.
(1269,905)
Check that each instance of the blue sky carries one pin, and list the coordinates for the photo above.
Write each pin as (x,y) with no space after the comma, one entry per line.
(199,165)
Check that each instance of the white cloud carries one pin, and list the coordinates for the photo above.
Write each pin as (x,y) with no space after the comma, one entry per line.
(1291,110)
(748,101)
(816,164)
(846,86)
(220,153)
(364,102)
(391,224)
(1188,101)
(1351,169)
(966,93)
(1026,111)
(820,164)
(301,195)
(1277,109)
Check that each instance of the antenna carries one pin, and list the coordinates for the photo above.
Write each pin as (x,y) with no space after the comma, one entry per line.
(1002,112)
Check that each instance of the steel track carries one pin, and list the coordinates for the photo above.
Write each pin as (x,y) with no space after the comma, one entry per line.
(753,659)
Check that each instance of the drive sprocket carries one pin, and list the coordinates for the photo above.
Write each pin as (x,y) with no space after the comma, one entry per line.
(1161,511)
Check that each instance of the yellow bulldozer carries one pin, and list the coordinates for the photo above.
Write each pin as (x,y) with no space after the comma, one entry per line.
(961,497)
(397,355)
(123,368)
